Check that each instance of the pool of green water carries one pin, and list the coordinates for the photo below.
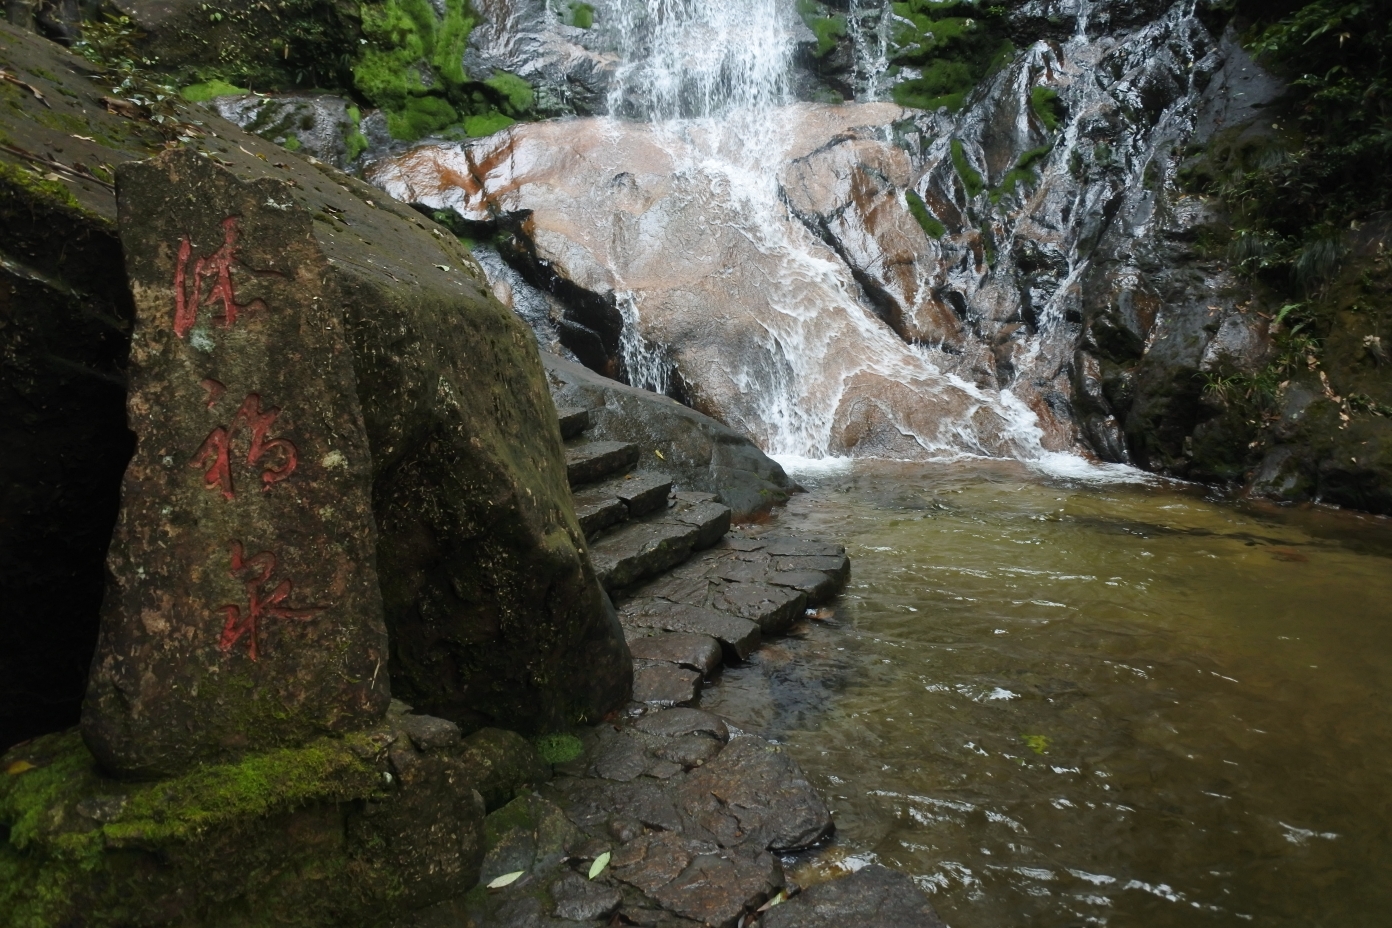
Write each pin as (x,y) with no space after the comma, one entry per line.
(1057,703)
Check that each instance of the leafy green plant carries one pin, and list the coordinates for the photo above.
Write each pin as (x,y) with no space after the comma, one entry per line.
(971,179)
(953,43)
(1046,105)
(208,90)
(559,748)
(919,210)
(581,15)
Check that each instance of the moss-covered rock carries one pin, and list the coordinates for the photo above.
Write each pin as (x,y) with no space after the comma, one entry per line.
(337,832)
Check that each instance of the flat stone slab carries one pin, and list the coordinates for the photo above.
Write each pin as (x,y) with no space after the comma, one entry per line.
(872,897)
(696,880)
(818,585)
(643,493)
(582,900)
(637,550)
(773,607)
(595,460)
(662,684)
(736,635)
(753,794)
(798,547)
(573,420)
(699,652)
(675,723)
(839,566)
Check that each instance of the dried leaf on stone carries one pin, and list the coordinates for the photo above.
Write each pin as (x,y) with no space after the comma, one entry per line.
(599,864)
(507,879)
(38,94)
(778,899)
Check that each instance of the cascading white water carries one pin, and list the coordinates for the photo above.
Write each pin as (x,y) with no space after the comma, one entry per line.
(713,78)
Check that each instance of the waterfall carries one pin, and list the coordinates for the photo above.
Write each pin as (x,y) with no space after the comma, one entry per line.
(719,218)
(713,79)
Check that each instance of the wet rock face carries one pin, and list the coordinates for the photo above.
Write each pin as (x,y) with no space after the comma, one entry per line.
(565,63)
(317,125)
(243,610)
(1039,242)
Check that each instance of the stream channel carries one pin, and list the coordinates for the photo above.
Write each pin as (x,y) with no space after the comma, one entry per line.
(1061,702)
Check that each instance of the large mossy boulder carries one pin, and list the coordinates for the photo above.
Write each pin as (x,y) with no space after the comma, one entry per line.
(491,603)
(340,831)
(490,600)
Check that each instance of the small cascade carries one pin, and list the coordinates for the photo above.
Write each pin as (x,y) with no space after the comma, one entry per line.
(647,366)
(699,58)
(868,22)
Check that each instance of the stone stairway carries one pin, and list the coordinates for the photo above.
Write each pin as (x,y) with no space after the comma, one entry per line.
(691,594)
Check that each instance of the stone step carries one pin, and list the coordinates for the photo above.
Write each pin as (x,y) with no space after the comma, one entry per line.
(598,514)
(738,637)
(573,419)
(637,550)
(604,504)
(592,461)
(640,549)
(698,652)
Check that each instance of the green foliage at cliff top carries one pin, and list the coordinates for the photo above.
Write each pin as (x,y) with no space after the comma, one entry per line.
(413,68)
(954,43)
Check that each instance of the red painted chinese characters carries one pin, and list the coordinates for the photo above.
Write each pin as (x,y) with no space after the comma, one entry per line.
(215,454)
(216,267)
(255,572)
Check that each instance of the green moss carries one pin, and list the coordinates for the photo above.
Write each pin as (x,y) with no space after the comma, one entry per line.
(518,95)
(971,180)
(930,225)
(477,127)
(580,14)
(828,30)
(420,117)
(412,63)
(201,93)
(113,852)
(1039,744)
(291,143)
(1046,106)
(954,44)
(559,748)
(1023,172)
(33,185)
